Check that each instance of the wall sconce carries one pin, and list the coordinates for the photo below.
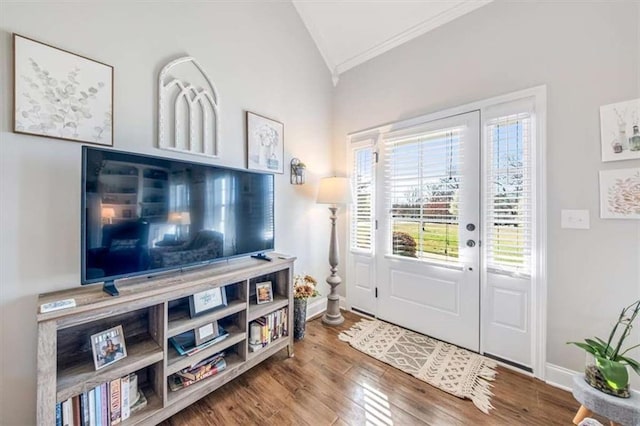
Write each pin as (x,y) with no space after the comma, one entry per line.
(297,172)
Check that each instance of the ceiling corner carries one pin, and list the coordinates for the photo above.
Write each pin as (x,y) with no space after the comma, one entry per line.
(308,22)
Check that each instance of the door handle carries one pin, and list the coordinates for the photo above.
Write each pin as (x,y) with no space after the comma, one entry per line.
(471,243)
(471,227)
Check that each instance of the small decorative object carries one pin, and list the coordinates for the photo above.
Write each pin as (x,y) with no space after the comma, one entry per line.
(188,109)
(206,332)
(304,287)
(634,141)
(264,292)
(207,300)
(108,347)
(265,144)
(62,95)
(255,337)
(618,123)
(620,194)
(608,371)
(297,172)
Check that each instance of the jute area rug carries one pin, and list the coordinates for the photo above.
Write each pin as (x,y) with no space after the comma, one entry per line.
(454,370)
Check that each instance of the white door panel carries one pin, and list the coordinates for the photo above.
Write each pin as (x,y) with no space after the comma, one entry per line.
(428,277)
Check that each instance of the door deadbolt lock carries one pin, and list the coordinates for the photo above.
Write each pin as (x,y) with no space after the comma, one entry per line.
(471,227)
(471,243)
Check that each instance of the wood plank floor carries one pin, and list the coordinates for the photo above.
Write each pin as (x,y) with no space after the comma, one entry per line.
(329,383)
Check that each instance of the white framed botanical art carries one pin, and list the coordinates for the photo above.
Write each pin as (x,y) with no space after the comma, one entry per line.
(265,144)
(620,131)
(62,95)
(620,194)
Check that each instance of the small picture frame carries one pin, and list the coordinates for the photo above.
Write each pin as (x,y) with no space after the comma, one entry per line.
(206,332)
(126,213)
(264,292)
(208,300)
(108,347)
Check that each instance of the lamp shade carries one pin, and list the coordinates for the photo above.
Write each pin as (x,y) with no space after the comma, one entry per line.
(334,190)
(108,212)
(180,218)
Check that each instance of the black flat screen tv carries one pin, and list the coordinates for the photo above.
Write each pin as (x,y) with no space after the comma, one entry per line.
(143,215)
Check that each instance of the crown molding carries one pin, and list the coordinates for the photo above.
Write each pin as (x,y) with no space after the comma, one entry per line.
(410,33)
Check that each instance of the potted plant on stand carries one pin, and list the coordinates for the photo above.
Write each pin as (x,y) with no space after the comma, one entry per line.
(304,287)
(608,372)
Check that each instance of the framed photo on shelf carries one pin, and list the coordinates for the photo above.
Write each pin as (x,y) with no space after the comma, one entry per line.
(108,347)
(62,95)
(265,144)
(264,292)
(208,300)
(206,332)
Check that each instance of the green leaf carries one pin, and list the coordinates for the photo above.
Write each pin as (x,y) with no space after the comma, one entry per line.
(632,363)
(613,372)
(599,347)
(584,346)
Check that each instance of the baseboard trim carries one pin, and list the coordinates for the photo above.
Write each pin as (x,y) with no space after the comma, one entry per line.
(317,307)
(559,377)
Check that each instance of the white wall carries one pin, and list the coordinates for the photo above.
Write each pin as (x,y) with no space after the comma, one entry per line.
(260,57)
(588,54)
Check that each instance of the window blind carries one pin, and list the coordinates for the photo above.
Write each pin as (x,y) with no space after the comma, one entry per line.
(423,180)
(509,214)
(362,220)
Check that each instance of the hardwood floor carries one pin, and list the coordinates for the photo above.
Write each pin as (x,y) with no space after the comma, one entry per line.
(329,383)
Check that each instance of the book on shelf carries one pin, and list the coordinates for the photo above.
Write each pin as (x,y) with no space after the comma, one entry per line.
(124,392)
(196,371)
(177,382)
(185,343)
(268,328)
(114,398)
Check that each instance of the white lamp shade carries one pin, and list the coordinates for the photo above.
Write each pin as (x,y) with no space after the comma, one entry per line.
(108,212)
(334,190)
(180,218)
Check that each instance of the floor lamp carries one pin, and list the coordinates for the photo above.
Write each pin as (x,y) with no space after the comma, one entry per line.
(333,191)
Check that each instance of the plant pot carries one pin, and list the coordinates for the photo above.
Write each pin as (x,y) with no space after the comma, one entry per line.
(595,377)
(299,318)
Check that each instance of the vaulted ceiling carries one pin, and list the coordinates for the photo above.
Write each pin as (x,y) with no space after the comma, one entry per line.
(350,32)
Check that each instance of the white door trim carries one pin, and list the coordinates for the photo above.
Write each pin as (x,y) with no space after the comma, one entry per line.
(539,275)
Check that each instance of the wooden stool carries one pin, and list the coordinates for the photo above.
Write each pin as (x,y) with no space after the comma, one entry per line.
(619,411)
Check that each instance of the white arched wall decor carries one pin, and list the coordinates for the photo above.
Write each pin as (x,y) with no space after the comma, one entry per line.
(188,115)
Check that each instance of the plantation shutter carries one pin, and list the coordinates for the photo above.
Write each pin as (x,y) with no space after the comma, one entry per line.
(362,220)
(509,194)
(423,180)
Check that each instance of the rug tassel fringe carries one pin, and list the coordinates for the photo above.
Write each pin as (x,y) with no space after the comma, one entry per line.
(347,335)
(481,392)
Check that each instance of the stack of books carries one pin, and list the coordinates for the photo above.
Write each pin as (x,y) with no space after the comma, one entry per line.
(190,375)
(272,327)
(185,343)
(104,405)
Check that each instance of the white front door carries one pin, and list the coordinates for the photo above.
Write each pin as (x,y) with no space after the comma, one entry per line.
(427,252)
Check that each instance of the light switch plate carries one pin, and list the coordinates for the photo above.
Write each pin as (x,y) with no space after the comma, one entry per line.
(574,219)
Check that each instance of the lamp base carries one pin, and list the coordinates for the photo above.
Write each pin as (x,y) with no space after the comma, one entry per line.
(332,320)
(333,316)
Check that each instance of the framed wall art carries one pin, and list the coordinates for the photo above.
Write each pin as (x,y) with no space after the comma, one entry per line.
(620,194)
(620,131)
(59,94)
(265,144)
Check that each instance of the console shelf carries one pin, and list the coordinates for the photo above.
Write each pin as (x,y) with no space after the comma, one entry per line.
(151,311)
